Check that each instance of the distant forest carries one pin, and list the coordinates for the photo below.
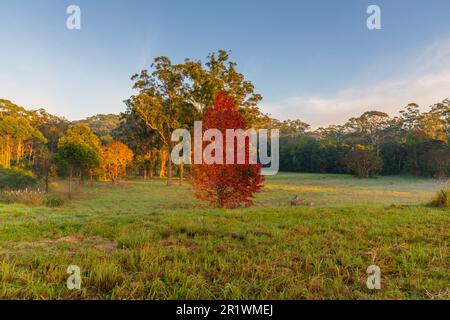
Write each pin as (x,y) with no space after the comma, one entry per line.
(413,143)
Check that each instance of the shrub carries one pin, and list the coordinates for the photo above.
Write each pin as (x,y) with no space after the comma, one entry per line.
(54,201)
(362,162)
(14,179)
(442,199)
(438,163)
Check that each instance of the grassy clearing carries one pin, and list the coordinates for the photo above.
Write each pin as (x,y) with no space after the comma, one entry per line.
(142,240)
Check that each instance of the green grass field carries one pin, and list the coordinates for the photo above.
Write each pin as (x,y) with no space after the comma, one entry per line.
(143,240)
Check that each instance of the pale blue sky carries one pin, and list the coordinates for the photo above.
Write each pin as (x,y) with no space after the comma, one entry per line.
(314,60)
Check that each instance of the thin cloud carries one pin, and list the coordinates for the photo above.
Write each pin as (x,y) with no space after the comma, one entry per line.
(427,82)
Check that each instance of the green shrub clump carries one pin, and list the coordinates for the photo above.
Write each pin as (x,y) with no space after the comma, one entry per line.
(15,179)
(54,201)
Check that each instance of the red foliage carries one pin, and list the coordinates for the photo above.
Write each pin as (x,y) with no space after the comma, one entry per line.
(226,185)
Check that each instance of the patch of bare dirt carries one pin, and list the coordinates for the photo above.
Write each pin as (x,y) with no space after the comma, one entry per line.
(109,247)
(95,242)
(70,239)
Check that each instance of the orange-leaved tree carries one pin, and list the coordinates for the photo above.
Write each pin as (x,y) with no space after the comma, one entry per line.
(115,158)
(221,184)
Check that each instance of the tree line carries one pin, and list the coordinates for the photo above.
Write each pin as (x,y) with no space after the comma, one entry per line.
(414,142)
(170,96)
(36,143)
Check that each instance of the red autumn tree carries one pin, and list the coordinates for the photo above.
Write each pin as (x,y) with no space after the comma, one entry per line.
(226,185)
